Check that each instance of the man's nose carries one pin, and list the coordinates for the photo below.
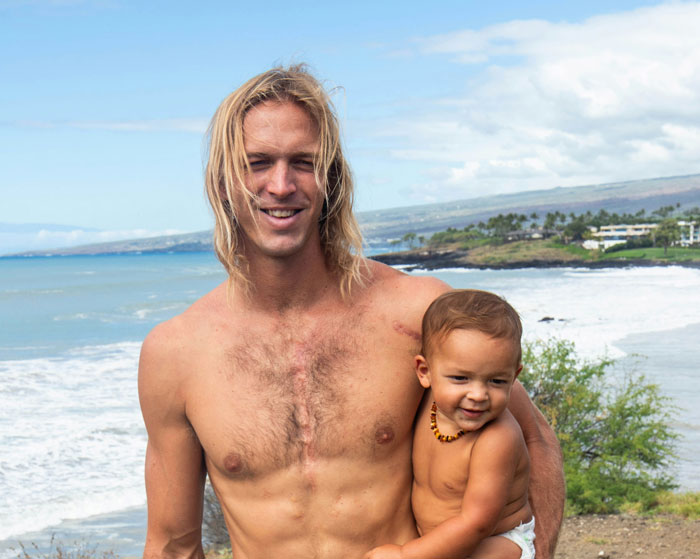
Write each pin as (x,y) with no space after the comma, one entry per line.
(281,180)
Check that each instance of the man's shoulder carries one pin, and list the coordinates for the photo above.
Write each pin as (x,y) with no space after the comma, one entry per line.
(181,332)
(395,283)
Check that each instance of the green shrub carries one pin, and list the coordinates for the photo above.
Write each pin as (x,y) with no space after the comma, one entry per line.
(614,433)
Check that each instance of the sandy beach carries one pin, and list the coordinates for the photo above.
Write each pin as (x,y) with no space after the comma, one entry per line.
(625,537)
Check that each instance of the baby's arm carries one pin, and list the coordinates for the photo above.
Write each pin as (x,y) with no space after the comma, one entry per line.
(492,468)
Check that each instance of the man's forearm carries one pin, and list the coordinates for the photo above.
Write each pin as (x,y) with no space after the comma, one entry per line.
(547,491)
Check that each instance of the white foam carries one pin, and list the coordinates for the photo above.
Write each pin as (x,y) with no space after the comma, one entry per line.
(594,308)
(72,436)
(144,313)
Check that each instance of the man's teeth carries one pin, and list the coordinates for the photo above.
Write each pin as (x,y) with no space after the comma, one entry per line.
(280,213)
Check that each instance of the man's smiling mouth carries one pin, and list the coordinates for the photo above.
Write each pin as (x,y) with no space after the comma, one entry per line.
(281,213)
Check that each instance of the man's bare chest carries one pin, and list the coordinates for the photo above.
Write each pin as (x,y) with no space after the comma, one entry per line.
(292,398)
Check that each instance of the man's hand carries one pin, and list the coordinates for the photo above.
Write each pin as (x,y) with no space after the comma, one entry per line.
(388,551)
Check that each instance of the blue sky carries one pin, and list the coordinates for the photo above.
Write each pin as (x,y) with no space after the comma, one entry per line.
(104,103)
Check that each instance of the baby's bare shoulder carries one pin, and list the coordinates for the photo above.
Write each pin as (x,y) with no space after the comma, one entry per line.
(503,434)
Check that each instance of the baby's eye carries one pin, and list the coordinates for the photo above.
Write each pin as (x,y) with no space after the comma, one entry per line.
(498,381)
(459,378)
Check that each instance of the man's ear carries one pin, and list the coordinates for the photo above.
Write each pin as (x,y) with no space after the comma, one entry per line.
(423,371)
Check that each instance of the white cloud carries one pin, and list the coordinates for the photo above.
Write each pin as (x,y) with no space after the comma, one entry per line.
(614,97)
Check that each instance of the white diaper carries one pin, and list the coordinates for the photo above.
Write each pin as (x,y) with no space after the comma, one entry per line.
(524,537)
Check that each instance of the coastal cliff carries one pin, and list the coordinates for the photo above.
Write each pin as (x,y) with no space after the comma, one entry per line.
(511,258)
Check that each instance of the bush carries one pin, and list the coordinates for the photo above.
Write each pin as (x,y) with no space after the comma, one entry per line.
(615,436)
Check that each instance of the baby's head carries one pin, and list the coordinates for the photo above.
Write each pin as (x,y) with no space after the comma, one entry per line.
(471,309)
(470,356)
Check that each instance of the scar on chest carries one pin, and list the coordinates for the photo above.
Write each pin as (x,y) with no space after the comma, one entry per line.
(401,329)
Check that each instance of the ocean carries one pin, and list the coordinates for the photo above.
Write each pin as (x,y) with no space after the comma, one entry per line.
(71,433)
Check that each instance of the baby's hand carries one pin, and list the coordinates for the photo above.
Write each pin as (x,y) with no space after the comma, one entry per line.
(389,551)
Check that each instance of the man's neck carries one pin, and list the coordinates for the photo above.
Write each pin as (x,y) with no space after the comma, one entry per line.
(285,284)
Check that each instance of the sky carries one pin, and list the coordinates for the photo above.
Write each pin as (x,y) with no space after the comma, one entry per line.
(104,104)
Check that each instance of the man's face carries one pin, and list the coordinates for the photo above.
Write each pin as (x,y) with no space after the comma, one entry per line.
(281,142)
(471,375)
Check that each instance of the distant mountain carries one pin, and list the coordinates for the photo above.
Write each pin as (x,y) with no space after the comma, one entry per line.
(187,242)
(379,226)
(35,227)
(621,197)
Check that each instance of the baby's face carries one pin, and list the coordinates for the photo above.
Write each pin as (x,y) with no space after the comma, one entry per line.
(471,375)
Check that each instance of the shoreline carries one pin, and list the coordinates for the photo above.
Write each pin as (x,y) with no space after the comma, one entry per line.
(442,259)
(122,531)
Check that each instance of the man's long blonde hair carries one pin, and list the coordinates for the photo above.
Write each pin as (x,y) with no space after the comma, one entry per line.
(228,165)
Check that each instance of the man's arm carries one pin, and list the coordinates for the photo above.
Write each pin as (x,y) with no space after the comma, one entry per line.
(175,471)
(547,490)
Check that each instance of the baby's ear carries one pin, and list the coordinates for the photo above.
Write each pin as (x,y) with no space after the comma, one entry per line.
(423,371)
(517,371)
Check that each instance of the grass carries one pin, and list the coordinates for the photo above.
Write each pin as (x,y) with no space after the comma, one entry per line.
(574,250)
(485,251)
(474,243)
(674,254)
(59,550)
(686,505)
(525,251)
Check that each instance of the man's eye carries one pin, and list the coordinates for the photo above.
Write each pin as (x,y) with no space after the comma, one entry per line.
(305,164)
(258,163)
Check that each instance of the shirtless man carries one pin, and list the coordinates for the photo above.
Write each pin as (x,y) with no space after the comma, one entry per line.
(292,384)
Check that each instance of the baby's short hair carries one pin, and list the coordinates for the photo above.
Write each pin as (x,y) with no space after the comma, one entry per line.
(470,309)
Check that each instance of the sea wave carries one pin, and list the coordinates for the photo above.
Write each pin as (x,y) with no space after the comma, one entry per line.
(71,427)
(594,308)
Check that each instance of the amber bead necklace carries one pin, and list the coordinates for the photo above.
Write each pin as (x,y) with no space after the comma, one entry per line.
(434,428)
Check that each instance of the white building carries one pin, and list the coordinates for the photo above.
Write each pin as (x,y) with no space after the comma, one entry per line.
(609,235)
(690,233)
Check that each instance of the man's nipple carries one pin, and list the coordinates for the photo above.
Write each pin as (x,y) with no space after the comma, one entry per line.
(384,435)
(233,463)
